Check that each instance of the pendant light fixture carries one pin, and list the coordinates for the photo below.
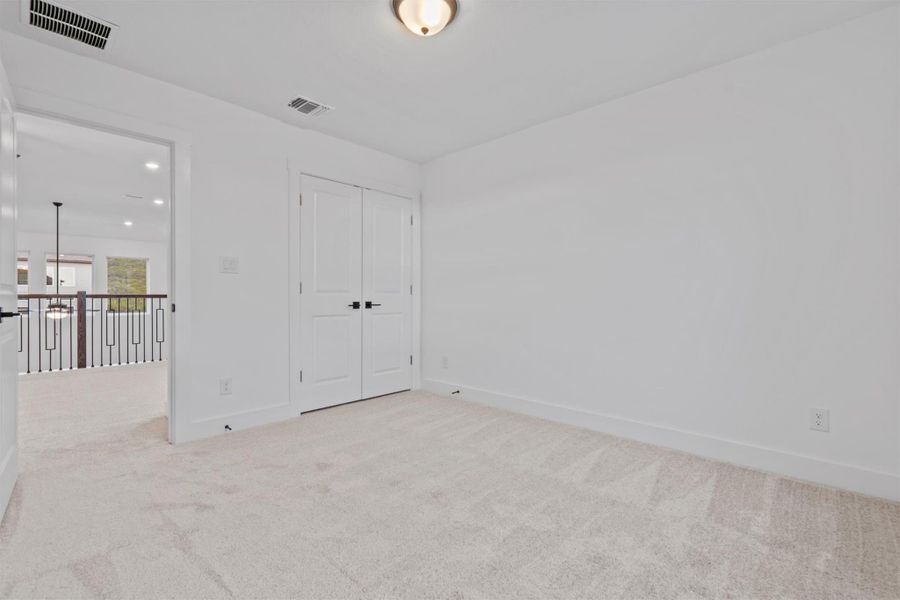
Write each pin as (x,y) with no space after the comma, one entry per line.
(425,18)
(58,310)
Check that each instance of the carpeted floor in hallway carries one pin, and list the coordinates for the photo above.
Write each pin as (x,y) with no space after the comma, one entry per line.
(407,496)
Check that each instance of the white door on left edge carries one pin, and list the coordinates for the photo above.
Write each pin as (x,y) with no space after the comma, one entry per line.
(387,295)
(330,305)
(9,324)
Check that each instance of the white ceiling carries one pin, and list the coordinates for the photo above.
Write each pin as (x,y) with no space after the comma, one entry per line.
(500,67)
(90,172)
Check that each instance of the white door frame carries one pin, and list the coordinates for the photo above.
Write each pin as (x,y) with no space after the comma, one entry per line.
(179,143)
(294,279)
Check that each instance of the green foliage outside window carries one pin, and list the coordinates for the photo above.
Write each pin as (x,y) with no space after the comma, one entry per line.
(126,276)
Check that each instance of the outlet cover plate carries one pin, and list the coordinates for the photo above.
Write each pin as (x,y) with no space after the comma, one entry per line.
(819,419)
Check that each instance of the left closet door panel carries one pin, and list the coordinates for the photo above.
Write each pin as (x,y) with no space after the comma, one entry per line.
(330,322)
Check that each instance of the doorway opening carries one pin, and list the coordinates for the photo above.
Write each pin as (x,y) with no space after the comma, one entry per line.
(102,359)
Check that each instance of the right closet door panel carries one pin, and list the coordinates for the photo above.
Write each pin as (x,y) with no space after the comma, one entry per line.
(387,294)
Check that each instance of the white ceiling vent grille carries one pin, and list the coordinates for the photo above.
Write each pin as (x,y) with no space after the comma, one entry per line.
(68,23)
(308,107)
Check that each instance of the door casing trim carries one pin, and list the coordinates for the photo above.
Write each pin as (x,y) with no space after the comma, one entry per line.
(179,143)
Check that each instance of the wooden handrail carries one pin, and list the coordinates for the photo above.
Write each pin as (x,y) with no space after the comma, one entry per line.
(46,296)
(126,295)
(73,296)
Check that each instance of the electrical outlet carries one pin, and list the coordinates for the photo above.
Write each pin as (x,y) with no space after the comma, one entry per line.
(229,265)
(225,387)
(818,419)
(445,362)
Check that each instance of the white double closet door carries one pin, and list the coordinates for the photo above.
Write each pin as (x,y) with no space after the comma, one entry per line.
(356,300)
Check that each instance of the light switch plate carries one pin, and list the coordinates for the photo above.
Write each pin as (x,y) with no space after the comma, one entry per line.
(229,265)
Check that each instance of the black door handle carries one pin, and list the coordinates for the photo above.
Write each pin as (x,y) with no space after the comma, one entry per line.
(370,304)
(354,306)
(7,314)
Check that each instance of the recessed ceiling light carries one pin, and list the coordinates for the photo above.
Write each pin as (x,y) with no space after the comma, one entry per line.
(425,17)
(127,223)
(151,165)
(159,201)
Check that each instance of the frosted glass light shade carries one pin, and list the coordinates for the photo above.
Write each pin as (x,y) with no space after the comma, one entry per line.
(425,18)
(58,311)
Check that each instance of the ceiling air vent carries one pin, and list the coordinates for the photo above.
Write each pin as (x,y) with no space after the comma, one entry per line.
(308,107)
(68,23)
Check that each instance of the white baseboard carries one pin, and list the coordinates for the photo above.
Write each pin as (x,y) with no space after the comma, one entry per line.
(215,425)
(848,477)
(157,364)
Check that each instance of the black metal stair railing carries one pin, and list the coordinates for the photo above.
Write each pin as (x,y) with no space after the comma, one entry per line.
(101,330)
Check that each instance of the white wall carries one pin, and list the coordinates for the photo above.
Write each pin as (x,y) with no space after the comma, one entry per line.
(39,244)
(239,207)
(695,265)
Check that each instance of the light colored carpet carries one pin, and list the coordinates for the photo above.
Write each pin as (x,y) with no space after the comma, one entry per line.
(408,496)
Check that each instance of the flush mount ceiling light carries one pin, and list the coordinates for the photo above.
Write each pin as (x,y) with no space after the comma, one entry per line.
(151,165)
(127,223)
(425,17)
(159,202)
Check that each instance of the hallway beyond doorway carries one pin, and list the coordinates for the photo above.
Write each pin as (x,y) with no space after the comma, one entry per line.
(68,411)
